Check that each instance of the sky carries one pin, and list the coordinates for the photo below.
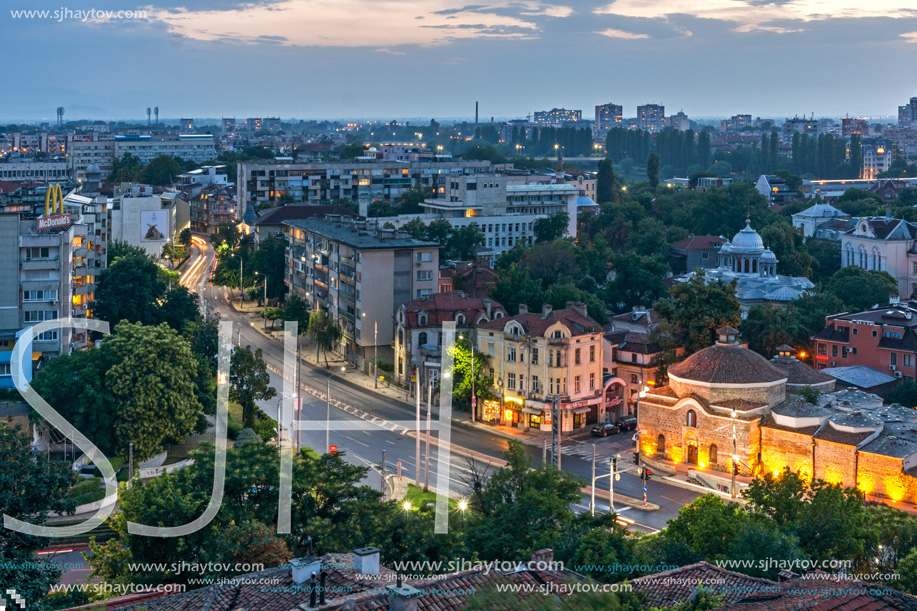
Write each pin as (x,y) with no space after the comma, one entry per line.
(435,58)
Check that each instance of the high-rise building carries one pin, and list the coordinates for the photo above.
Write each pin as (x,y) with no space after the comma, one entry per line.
(907,114)
(607,116)
(651,117)
(557,117)
(850,126)
(735,123)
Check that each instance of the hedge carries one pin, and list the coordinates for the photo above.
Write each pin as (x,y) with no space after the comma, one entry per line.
(115,464)
(85,486)
(90,497)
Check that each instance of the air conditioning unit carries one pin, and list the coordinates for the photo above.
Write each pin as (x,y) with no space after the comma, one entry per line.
(899,374)
(891,367)
(833,363)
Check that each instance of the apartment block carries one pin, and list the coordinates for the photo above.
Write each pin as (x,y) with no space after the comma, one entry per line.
(607,116)
(27,170)
(651,117)
(556,117)
(361,275)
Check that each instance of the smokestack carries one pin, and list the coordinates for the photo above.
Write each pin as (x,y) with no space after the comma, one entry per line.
(476,114)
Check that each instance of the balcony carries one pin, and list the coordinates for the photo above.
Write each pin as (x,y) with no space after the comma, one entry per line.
(80,270)
(86,289)
(40,264)
(80,251)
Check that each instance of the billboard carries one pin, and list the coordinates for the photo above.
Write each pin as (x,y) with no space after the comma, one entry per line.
(154,225)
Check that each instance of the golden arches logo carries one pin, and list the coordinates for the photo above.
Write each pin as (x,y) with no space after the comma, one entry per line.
(54,200)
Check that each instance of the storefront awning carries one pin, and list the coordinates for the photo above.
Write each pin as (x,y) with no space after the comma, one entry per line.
(531,410)
(582,410)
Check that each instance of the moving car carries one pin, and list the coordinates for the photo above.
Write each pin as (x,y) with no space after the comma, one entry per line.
(603,430)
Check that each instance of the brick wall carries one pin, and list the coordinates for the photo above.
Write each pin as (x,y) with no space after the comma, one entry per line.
(772,395)
(835,462)
(882,476)
(781,449)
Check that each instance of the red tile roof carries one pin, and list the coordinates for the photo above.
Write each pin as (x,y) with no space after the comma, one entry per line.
(537,324)
(444,307)
(699,242)
(672,587)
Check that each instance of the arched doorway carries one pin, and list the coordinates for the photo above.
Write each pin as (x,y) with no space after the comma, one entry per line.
(660,445)
(691,448)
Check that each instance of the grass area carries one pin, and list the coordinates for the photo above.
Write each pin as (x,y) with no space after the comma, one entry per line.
(424,501)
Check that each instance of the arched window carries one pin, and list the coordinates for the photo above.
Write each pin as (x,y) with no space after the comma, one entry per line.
(713,452)
(692,418)
(401,336)
(422,338)
(460,319)
(876,261)
(754,266)
(498,315)
(660,444)
(863,262)
(422,319)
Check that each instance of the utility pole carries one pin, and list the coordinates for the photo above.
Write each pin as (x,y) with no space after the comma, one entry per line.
(474,398)
(612,474)
(376,354)
(130,453)
(241,289)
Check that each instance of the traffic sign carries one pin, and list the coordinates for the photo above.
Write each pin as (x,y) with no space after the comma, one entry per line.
(474,401)
(333,449)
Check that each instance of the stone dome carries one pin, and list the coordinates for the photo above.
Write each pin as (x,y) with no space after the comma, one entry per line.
(726,248)
(748,241)
(768,256)
(726,364)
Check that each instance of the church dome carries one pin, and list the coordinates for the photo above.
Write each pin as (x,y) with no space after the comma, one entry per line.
(726,248)
(768,256)
(726,362)
(748,241)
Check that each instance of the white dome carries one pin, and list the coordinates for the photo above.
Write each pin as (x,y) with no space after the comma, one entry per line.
(726,248)
(748,241)
(768,256)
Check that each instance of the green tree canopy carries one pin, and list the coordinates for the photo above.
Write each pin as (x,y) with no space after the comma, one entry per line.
(861,289)
(696,309)
(129,290)
(552,227)
(249,382)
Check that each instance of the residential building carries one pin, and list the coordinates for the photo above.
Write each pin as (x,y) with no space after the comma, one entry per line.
(812,221)
(883,338)
(213,206)
(28,170)
(270,223)
(679,121)
(883,244)
(850,126)
(516,130)
(801,126)
(651,117)
(229,125)
(540,357)
(705,183)
(88,149)
(190,147)
(556,117)
(360,274)
(49,269)
(861,377)
(746,260)
(419,326)
(907,114)
(473,278)
(696,251)
(265,183)
(146,219)
(607,116)
(735,123)
(775,189)
(186,126)
(877,158)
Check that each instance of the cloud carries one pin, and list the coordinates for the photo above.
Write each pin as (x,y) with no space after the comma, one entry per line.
(613,33)
(759,15)
(362,23)
(909,37)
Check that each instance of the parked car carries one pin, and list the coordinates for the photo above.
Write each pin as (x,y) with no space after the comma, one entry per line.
(604,430)
(627,423)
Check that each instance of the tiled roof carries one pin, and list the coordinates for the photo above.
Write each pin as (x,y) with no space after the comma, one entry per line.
(672,587)
(633,341)
(740,405)
(829,433)
(768,423)
(537,324)
(824,593)
(443,307)
(799,373)
(699,242)
(726,364)
(860,376)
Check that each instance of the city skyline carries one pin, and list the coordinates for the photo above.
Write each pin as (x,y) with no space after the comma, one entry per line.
(398,60)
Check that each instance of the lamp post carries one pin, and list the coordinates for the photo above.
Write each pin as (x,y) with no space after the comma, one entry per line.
(241,287)
(264,311)
(328,410)
(375,352)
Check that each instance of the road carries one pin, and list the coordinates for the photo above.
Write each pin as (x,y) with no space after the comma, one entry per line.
(366,446)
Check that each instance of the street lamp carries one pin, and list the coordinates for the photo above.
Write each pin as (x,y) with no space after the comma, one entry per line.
(328,410)
(375,352)
(264,311)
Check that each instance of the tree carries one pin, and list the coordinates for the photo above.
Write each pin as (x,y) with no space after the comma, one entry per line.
(269,262)
(861,289)
(537,502)
(551,262)
(766,327)
(178,308)
(515,286)
(162,170)
(708,526)
(226,234)
(296,309)
(907,570)
(859,202)
(185,237)
(324,331)
(126,168)
(249,382)
(461,383)
(695,310)
(788,245)
(637,281)
(118,249)
(31,486)
(606,189)
(462,243)
(552,227)
(129,290)
(652,170)
(906,395)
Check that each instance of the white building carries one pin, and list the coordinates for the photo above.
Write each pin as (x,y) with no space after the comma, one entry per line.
(883,244)
(26,170)
(814,217)
(148,220)
(876,158)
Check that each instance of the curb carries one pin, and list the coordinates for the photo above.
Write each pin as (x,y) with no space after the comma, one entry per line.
(695,488)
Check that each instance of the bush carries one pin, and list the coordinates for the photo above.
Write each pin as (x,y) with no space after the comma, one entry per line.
(115,464)
(85,486)
(233,429)
(90,497)
(385,365)
(266,429)
(309,453)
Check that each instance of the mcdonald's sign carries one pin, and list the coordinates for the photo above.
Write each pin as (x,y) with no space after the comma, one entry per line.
(54,217)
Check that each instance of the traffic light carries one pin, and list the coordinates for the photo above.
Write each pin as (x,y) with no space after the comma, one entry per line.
(735,468)
(637,458)
(614,464)
(647,474)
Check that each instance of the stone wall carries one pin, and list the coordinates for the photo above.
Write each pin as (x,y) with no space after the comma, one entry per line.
(781,449)
(772,395)
(882,476)
(835,463)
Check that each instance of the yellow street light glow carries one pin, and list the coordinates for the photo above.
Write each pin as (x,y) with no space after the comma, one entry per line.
(406,505)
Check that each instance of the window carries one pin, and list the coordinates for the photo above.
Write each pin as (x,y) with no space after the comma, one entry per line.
(511,381)
(47,336)
(894,358)
(535,386)
(692,419)
(557,359)
(551,384)
(660,444)
(564,391)
(511,354)
(823,349)
(576,384)
(876,333)
(591,381)
(713,453)
(424,292)
(422,338)
(425,257)
(50,295)
(425,274)
(908,360)
(633,378)
(557,335)
(422,319)
(576,356)
(5,370)
(534,356)
(591,354)
(38,316)
(833,349)
(633,357)
(490,349)
(855,330)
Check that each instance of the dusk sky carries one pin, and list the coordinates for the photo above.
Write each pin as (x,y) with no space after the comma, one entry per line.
(399,58)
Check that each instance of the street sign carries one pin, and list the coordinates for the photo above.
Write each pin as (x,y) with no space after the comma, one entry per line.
(333,449)
(474,401)
(617,477)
